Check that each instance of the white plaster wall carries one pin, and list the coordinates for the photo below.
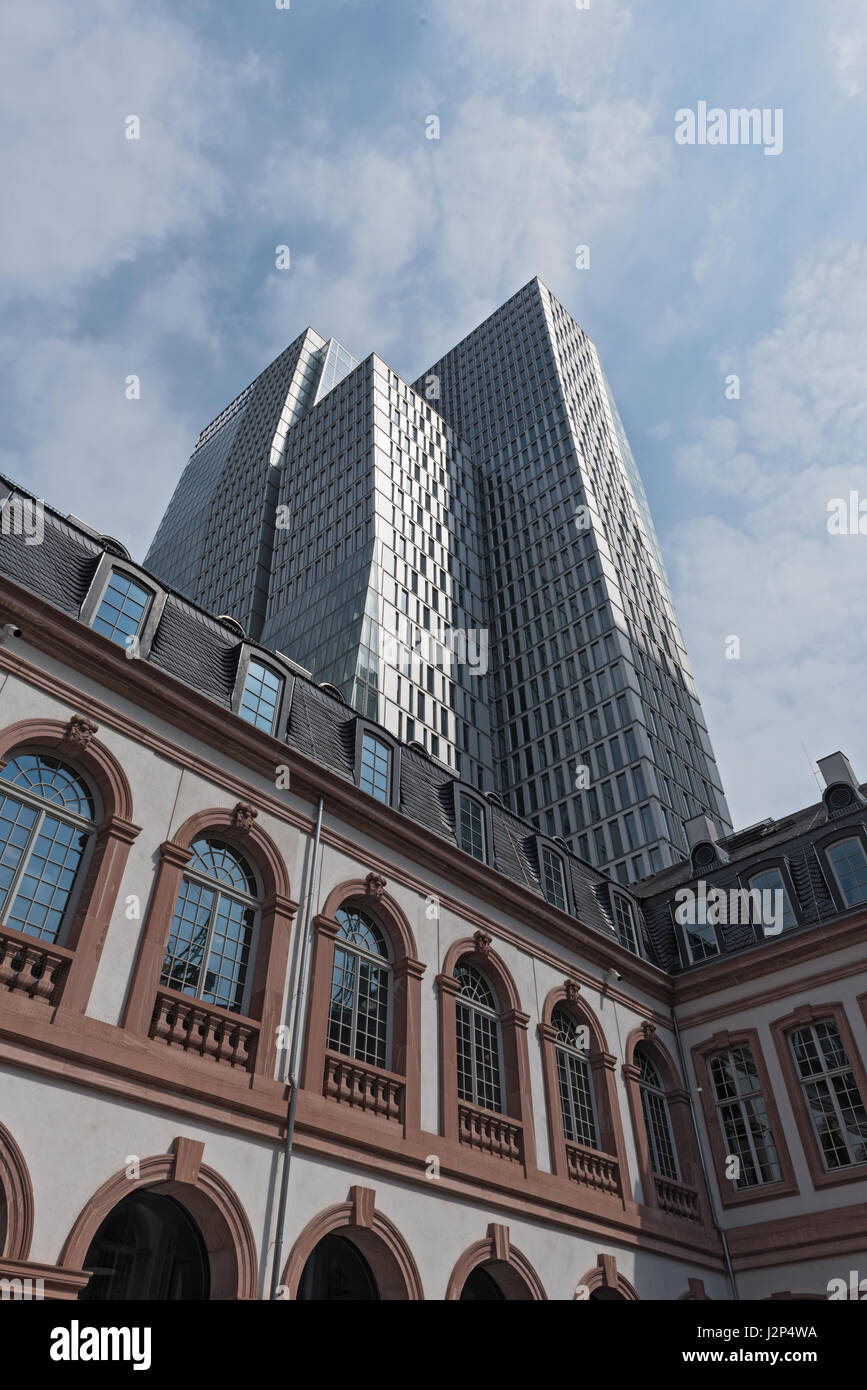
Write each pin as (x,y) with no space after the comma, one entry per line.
(73,1139)
(439,1229)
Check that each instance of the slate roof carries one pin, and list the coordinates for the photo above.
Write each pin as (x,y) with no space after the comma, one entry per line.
(792,841)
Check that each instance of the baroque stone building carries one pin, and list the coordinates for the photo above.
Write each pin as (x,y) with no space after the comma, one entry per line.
(517,1077)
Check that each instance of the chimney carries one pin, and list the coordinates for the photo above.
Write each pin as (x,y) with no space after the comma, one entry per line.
(837,768)
(700,830)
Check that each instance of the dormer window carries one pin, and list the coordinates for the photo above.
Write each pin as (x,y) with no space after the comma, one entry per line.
(699,934)
(377,763)
(375,772)
(771,881)
(849,862)
(261,697)
(553,880)
(121,614)
(624,921)
(701,941)
(471,826)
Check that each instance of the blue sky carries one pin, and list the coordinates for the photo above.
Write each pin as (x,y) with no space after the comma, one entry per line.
(306,127)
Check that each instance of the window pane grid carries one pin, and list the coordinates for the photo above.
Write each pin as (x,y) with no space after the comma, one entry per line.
(472,834)
(701,940)
(772,881)
(50,780)
(478,1058)
(743,1117)
(261,696)
(360,989)
(358,1015)
(358,929)
(187,937)
(575,1082)
(850,866)
(46,883)
(374,767)
(40,853)
(210,940)
(552,867)
(229,955)
(122,608)
(576,1099)
(625,922)
(657,1120)
(16,825)
(215,859)
(831,1093)
(478,1040)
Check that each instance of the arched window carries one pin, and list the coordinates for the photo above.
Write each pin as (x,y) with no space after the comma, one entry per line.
(337,1272)
(576,1085)
(481,1287)
(46,823)
(358,1015)
(211,937)
(478,1040)
(148,1247)
(657,1122)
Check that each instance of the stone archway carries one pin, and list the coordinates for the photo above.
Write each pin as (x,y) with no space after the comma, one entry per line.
(375,1237)
(511,1271)
(207,1198)
(16,1193)
(605,1283)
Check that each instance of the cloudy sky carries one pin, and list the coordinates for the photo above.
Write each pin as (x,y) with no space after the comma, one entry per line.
(306,127)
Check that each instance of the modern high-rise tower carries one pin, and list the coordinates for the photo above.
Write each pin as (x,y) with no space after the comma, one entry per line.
(472,562)
(592,683)
(333,514)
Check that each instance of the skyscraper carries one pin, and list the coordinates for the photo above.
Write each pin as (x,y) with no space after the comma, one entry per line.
(332,512)
(472,562)
(591,676)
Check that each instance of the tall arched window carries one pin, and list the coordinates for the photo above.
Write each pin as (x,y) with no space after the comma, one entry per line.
(576,1085)
(657,1121)
(358,1015)
(211,939)
(478,1040)
(46,823)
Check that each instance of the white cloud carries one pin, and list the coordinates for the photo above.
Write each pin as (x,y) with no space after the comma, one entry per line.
(85,448)
(724,224)
(847,44)
(79,197)
(503,195)
(771,573)
(548,40)
(182,303)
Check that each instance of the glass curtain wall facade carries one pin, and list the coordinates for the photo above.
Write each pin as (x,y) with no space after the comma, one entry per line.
(597,730)
(376,574)
(215,541)
(333,513)
(472,563)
